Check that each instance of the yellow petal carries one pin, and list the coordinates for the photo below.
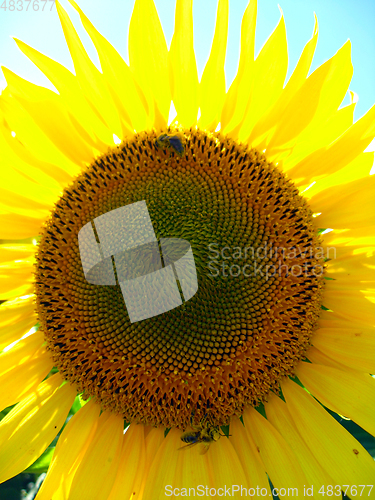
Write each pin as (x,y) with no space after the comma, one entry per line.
(337,451)
(348,394)
(318,98)
(270,69)
(23,188)
(50,176)
(12,278)
(212,85)
(72,444)
(301,109)
(317,138)
(272,119)
(32,424)
(18,227)
(355,305)
(336,85)
(23,367)
(357,169)
(13,333)
(299,75)
(23,351)
(154,437)
(281,463)
(15,203)
(193,469)
(238,94)
(98,467)
(17,291)
(16,318)
(18,267)
(188,468)
(225,467)
(97,133)
(320,358)
(119,79)
(353,237)
(132,464)
(17,272)
(351,266)
(90,79)
(353,347)
(341,152)
(352,270)
(9,252)
(148,56)
(278,415)
(345,206)
(342,288)
(50,115)
(248,454)
(158,477)
(33,138)
(182,65)
(15,310)
(37,186)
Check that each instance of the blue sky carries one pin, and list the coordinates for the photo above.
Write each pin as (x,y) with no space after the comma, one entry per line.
(338,21)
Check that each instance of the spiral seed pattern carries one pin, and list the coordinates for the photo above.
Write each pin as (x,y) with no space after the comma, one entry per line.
(249,323)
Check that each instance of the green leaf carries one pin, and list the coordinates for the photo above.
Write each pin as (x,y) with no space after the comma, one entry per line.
(77,405)
(5,412)
(225,430)
(366,439)
(42,464)
(260,409)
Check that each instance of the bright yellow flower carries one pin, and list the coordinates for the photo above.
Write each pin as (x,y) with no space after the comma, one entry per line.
(260,168)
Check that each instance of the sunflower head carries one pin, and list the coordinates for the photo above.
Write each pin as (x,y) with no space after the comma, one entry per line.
(259,275)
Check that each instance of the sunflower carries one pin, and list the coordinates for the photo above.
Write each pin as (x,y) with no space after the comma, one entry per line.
(268,187)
